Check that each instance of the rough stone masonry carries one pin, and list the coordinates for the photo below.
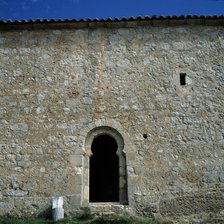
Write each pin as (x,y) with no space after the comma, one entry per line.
(154,86)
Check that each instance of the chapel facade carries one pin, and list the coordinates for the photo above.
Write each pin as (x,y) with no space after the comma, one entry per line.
(120,115)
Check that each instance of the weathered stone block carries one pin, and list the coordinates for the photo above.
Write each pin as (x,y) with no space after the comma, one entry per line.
(15,193)
(76,160)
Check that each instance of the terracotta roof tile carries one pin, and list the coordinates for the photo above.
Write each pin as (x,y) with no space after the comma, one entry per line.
(132,18)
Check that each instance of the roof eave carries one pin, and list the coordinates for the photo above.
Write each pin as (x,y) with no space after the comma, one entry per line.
(215,20)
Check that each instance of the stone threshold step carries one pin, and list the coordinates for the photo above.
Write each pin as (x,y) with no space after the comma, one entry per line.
(108,208)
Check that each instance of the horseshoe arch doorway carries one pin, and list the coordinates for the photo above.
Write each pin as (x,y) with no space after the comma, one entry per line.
(106,167)
(104,170)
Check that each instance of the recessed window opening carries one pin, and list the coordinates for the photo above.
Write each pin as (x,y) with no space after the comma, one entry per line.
(183,79)
(104,170)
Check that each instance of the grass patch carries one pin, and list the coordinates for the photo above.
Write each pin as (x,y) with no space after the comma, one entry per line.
(97,220)
(84,217)
(76,220)
(24,221)
(108,220)
(121,220)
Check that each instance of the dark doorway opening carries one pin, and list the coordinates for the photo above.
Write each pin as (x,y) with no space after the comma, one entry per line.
(104,170)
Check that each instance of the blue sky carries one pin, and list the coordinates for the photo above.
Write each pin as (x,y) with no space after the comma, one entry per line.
(27,9)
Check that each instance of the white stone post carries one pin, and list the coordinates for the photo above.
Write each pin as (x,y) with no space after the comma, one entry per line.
(57,208)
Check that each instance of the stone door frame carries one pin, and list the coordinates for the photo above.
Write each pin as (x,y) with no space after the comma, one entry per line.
(113,130)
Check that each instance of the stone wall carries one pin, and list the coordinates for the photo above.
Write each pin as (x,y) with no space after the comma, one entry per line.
(58,85)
